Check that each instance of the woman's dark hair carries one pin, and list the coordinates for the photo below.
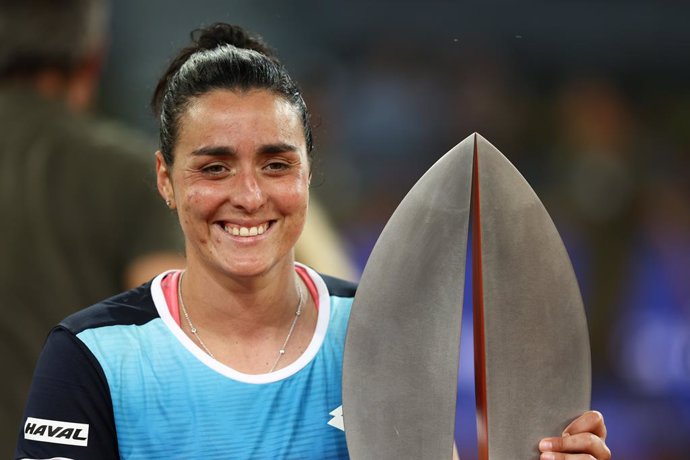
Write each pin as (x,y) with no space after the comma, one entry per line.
(221,56)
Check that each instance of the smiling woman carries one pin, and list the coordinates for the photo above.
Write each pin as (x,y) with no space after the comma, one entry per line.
(216,360)
(240,183)
(240,354)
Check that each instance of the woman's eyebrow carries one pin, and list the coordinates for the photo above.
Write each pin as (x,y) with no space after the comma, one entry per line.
(223,150)
(213,150)
(279,147)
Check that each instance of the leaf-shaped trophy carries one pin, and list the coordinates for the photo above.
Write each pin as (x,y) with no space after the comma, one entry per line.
(532,357)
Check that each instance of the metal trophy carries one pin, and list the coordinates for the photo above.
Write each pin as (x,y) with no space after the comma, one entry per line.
(532,357)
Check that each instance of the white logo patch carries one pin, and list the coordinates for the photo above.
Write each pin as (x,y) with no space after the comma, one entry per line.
(72,434)
(337,420)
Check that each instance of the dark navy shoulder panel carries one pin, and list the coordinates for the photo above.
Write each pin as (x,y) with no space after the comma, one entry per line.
(69,386)
(133,307)
(339,287)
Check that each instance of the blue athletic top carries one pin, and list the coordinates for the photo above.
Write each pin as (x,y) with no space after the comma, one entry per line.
(121,380)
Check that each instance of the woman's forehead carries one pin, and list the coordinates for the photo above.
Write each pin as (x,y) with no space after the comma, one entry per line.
(225,105)
(226,99)
(229,116)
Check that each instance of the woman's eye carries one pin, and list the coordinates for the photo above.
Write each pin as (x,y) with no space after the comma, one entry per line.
(214,169)
(277,166)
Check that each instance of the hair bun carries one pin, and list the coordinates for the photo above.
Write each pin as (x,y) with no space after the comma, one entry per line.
(220,34)
(207,39)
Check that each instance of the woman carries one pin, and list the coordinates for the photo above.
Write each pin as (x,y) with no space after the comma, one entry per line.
(240,354)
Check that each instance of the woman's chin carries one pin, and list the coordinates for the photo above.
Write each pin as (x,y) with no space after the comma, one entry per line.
(249,268)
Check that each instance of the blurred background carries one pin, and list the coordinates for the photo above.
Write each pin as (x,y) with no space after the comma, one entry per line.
(591,102)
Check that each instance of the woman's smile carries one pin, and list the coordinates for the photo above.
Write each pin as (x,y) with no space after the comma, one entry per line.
(245,230)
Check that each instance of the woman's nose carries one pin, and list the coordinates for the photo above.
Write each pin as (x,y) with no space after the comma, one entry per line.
(247,192)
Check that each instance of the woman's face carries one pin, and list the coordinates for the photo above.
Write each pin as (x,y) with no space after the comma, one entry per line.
(239,182)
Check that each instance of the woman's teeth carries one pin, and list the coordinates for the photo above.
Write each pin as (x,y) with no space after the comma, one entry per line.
(246,231)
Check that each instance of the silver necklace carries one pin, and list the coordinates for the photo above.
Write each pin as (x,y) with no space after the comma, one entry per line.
(195,332)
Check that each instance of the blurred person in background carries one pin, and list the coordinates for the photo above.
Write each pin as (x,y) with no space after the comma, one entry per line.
(81,219)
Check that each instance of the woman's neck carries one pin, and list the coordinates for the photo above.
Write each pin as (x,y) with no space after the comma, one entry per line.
(245,323)
(241,305)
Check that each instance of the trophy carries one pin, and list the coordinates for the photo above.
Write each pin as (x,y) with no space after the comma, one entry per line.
(532,356)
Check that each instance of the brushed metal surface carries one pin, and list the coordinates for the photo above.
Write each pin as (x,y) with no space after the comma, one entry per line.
(402,348)
(538,370)
(401,353)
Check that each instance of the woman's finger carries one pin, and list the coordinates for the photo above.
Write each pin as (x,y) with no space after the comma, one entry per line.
(588,444)
(590,422)
(559,456)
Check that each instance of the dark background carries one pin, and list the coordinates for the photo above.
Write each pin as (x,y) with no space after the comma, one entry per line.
(589,100)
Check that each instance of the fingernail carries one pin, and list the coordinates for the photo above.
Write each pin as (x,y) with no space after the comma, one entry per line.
(545,445)
(548,456)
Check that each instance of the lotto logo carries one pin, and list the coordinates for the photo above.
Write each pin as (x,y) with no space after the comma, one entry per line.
(337,420)
(56,432)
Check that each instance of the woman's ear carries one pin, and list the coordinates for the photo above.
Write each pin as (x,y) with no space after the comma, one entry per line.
(164,181)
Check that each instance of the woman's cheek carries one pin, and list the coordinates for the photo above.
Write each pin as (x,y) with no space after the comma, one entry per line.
(200,198)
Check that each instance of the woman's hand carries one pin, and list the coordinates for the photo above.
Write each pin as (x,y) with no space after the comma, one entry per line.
(583,439)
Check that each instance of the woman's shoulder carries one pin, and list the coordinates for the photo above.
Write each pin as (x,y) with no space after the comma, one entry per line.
(339,287)
(133,307)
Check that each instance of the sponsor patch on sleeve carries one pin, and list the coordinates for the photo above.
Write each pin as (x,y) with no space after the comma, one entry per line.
(56,432)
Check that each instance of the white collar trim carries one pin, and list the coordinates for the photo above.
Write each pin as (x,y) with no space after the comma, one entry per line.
(285,372)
